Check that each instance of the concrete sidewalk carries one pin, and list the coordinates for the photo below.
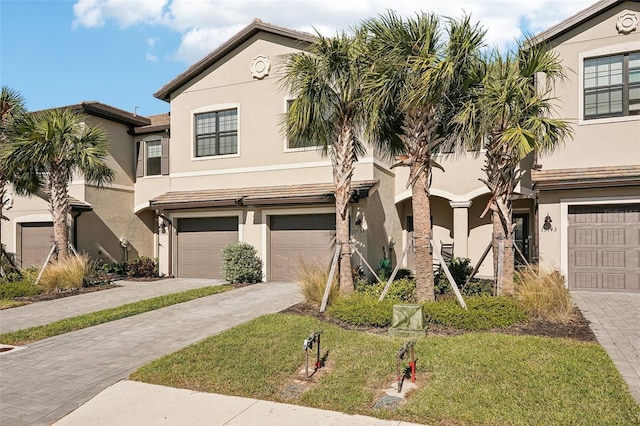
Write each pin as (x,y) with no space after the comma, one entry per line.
(615,320)
(134,403)
(50,378)
(129,291)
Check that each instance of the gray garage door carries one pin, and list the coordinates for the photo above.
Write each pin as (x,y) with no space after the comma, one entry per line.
(308,238)
(604,247)
(34,241)
(200,241)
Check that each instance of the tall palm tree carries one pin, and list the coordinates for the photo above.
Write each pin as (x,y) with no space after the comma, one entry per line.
(327,111)
(509,116)
(415,78)
(12,105)
(53,145)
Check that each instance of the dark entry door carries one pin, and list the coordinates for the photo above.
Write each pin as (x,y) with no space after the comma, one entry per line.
(521,236)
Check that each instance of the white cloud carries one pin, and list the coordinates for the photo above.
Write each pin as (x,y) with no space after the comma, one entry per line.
(152,58)
(94,13)
(205,24)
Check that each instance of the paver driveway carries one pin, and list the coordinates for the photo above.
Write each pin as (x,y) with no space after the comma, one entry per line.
(50,378)
(615,320)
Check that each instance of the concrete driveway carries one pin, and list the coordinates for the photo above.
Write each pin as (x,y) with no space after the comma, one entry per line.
(615,320)
(48,379)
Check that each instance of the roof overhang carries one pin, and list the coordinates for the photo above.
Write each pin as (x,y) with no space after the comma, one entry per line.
(258,196)
(245,34)
(585,178)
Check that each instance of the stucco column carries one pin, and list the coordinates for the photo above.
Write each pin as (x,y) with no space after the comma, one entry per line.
(460,227)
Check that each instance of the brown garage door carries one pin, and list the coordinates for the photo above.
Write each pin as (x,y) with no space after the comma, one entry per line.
(604,247)
(200,241)
(34,241)
(295,238)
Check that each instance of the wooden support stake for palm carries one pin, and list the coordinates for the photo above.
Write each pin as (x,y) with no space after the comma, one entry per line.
(368,266)
(395,271)
(46,262)
(444,266)
(332,272)
(475,269)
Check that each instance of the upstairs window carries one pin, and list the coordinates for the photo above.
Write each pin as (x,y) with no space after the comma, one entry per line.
(298,143)
(612,86)
(154,155)
(217,133)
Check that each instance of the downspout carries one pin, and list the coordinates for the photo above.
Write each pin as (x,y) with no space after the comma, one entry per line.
(170,243)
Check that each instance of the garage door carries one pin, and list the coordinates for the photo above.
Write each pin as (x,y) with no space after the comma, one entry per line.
(294,239)
(604,247)
(35,242)
(200,241)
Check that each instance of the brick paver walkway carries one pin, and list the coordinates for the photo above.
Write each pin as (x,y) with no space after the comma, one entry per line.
(615,320)
(50,378)
(129,291)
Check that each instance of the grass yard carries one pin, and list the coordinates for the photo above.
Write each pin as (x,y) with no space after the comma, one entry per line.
(32,334)
(474,378)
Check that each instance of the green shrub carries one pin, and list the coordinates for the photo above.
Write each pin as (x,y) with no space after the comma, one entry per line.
(141,267)
(478,287)
(402,290)
(241,264)
(483,313)
(362,310)
(460,268)
(22,288)
(68,274)
(313,281)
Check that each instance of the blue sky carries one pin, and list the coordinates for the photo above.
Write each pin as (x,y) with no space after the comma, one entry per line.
(119,52)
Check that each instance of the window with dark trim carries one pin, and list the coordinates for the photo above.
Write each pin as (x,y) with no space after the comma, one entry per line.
(298,143)
(216,133)
(612,86)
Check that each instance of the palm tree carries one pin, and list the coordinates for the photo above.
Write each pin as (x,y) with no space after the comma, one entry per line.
(413,82)
(11,107)
(328,112)
(53,145)
(511,116)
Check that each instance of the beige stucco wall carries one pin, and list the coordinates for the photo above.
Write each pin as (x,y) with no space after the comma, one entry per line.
(596,142)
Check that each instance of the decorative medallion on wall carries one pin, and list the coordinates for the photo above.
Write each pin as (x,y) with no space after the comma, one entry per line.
(260,67)
(627,23)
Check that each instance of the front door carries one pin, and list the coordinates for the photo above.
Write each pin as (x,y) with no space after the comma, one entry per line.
(521,236)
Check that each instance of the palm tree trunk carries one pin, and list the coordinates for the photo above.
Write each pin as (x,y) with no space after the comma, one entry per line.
(343,159)
(422,232)
(60,211)
(502,221)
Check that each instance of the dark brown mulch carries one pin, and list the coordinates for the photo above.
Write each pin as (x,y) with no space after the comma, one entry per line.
(577,329)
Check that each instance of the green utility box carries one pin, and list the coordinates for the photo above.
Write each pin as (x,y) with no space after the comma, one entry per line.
(408,321)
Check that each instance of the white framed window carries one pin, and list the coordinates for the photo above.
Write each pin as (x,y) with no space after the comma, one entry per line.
(216,133)
(611,86)
(153,158)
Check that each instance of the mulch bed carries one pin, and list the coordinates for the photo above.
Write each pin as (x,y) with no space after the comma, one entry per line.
(577,329)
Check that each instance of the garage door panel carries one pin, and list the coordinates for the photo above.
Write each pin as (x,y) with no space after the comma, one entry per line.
(604,248)
(200,242)
(36,240)
(296,239)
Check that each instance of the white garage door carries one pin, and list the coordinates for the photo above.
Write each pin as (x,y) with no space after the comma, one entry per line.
(294,239)
(604,247)
(200,242)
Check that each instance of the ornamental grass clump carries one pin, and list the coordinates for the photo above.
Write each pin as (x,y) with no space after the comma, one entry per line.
(312,280)
(241,264)
(68,274)
(544,294)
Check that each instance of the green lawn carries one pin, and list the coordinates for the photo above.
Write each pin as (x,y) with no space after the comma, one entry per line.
(475,378)
(32,334)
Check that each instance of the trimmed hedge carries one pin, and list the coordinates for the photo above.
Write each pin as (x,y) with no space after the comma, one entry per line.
(362,310)
(484,313)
